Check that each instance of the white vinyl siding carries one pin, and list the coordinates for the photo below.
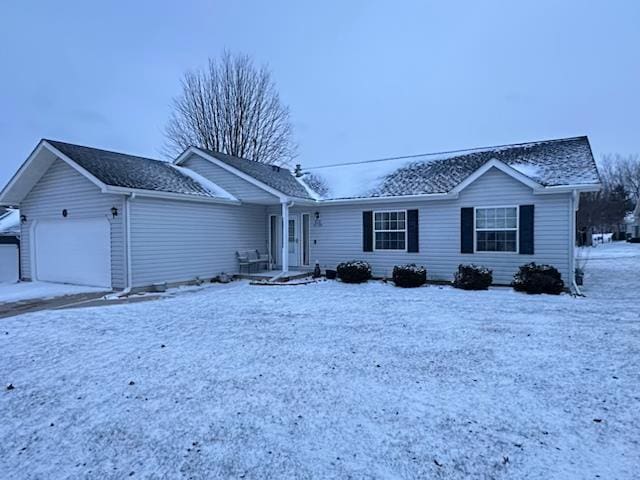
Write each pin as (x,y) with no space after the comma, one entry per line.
(230,182)
(337,235)
(62,187)
(177,241)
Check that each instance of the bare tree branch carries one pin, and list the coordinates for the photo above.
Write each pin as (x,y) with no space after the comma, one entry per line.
(616,169)
(234,108)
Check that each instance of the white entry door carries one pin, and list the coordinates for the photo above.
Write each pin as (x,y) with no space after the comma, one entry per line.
(74,251)
(294,242)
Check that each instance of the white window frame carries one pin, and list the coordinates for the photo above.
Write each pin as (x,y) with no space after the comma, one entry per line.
(373,233)
(476,229)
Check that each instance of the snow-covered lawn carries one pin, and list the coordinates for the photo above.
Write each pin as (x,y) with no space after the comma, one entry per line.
(14,292)
(331,380)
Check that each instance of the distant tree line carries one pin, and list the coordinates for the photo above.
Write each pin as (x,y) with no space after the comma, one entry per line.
(604,211)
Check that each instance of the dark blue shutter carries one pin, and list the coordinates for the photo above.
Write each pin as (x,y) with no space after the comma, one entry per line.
(466,230)
(413,244)
(526,229)
(367,231)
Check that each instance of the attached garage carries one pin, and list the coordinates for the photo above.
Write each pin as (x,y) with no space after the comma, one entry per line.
(74,251)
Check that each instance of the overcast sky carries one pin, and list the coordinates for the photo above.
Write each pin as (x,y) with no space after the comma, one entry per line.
(363,79)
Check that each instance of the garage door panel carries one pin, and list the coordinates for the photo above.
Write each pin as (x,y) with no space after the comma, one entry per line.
(74,251)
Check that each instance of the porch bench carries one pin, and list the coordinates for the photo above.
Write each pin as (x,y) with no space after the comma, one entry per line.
(248,258)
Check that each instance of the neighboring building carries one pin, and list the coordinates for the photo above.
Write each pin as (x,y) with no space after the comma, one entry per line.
(9,245)
(108,219)
(9,222)
(632,223)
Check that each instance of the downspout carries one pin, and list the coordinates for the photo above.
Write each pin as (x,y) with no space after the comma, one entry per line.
(572,240)
(127,232)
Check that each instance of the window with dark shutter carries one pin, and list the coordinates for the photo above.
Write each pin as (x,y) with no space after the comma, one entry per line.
(526,230)
(413,241)
(367,231)
(496,229)
(466,230)
(390,230)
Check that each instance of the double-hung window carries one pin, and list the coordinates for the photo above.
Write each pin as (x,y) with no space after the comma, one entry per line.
(390,230)
(496,229)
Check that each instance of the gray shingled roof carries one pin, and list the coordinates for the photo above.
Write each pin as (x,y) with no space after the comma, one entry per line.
(550,163)
(129,171)
(276,177)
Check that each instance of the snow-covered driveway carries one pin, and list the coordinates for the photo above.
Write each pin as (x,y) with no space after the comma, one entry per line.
(15,292)
(331,380)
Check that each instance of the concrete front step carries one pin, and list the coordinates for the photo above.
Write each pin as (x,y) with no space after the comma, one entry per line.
(271,275)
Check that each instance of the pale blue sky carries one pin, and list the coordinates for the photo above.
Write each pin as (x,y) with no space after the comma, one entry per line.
(363,79)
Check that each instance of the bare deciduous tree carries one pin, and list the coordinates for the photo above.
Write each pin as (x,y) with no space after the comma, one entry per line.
(602,211)
(232,107)
(616,169)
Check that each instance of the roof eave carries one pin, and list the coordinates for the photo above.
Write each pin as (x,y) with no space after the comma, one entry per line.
(389,199)
(168,195)
(584,187)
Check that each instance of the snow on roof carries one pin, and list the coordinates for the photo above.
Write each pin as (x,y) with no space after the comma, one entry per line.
(10,222)
(129,171)
(551,163)
(207,184)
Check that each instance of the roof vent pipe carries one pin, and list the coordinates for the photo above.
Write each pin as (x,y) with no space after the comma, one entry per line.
(298,170)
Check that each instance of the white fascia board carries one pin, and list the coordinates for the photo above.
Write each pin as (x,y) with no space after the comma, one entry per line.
(168,195)
(184,155)
(300,201)
(570,188)
(396,199)
(503,167)
(230,169)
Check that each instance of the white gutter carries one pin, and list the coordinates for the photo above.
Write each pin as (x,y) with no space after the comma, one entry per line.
(167,195)
(399,198)
(596,187)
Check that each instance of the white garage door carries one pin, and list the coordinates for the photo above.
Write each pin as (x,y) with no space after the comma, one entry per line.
(8,263)
(73,251)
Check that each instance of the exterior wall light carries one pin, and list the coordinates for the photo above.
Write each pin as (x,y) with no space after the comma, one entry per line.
(114,212)
(23,219)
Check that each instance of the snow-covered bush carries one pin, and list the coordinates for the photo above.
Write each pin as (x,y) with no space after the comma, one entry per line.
(354,271)
(409,276)
(473,277)
(532,278)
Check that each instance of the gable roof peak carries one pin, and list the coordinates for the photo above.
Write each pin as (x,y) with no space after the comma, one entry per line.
(275,177)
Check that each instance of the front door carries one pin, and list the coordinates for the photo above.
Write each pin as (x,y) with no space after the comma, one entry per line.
(294,242)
